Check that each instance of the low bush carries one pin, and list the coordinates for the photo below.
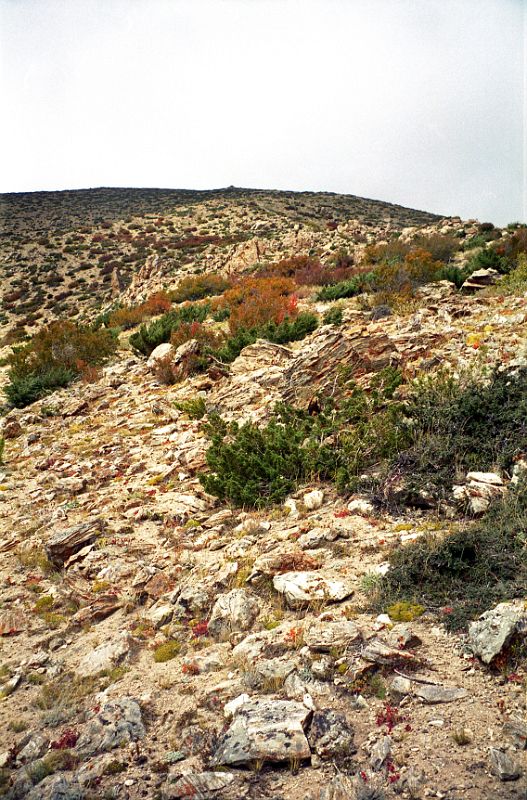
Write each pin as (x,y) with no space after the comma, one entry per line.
(465,572)
(348,288)
(148,337)
(251,466)
(290,330)
(515,282)
(129,317)
(478,422)
(196,287)
(255,301)
(53,358)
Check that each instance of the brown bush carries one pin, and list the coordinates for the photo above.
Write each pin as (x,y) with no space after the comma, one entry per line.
(256,301)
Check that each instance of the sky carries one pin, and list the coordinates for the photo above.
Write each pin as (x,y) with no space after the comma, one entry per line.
(417,102)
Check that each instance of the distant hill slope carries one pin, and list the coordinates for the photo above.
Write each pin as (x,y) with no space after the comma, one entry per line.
(70,253)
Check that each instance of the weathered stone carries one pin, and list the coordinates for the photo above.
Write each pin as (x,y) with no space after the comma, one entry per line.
(380,751)
(503,766)
(439,694)
(488,635)
(378,652)
(202,785)
(265,730)
(516,730)
(162,351)
(35,748)
(400,687)
(56,787)
(116,724)
(234,611)
(313,500)
(323,635)
(302,588)
(105,657)
(331,736)
(481,278)
(160,614)
(65,543)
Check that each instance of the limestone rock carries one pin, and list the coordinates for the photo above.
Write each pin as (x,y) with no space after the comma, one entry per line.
(234,611)
(159,353)
(313,500)
(503,766)
(265,730)
(331,736)
(480,490)
(118,723)
(481,278)
(56,787)
(105,657)
(324,635)
(203,785)
(488,635)
(439,694)
(303,588)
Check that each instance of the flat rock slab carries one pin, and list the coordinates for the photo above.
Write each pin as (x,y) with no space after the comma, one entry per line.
(324,635)
(64,544)
(117,724)
(202,785)
(303,588)
(105,657)
(488,635)
(265,730)
(439,694)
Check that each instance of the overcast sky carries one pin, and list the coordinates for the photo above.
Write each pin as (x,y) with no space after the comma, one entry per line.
(418,102)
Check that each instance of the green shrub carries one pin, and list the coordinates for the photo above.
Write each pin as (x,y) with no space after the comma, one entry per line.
(465,572)
(515,282)
(195,408)
(290,330)
(333,316)
(148,337)
(454,274)
(350,288)
(488,259)
(251,466)
(457,425)
(53,358)
(200,286)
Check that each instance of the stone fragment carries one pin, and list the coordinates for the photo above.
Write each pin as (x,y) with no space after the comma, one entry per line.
(481,278)
(361,506)
(323,635)
(159,353)
(439,694)
(105,657)
(234,611)
(202,785)
(64,544)
(302,588)
(489,634)
(265,730)
(12,429)
(331,736)
(117,724)
(380,752)
(400,687)
(159,615)
(503,766)
(313,500)
(515,729)
(56,787)
(480,489)
(378,652)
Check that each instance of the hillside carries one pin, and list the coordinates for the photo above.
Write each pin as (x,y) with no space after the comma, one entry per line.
(263,516)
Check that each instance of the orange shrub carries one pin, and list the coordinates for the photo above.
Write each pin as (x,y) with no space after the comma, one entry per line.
(195,287)
(129,317)
(256,301)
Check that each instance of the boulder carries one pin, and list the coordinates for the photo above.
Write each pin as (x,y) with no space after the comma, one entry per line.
(323,635)
(302,588)
(480,279)
(105,657)
(159,353)
(331,736)
(116,724)
(233,611)
(439,694)
(265,730)
(503,766)
(488,635)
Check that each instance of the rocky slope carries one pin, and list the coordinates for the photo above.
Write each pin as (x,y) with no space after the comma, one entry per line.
(158,643)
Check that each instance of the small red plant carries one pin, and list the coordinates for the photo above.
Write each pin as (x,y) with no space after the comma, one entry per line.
(66,741)
(201,629)
(190,669)
(389,716)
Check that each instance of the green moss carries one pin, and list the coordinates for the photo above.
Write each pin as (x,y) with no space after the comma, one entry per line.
(167,651)
(404,611)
